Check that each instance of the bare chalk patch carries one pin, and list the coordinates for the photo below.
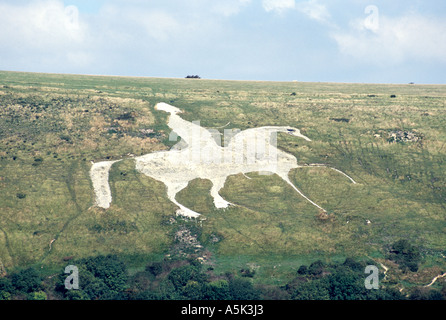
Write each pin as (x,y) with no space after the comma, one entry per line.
(99,177)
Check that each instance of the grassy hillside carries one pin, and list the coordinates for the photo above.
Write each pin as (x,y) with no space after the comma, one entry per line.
(389,138)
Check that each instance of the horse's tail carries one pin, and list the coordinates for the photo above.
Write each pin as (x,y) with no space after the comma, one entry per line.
(99,177)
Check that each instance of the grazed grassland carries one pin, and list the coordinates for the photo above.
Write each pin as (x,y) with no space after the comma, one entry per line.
(52,126)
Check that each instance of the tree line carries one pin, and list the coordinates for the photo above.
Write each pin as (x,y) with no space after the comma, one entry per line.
(108,278)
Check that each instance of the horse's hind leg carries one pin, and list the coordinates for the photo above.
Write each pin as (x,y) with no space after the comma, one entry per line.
(217,184)
(172,190)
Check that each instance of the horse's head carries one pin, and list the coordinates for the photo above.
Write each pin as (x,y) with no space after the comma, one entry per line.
(296,132)
(167,108)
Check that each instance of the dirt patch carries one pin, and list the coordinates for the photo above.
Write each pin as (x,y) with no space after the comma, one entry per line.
(187,246)
(399,136)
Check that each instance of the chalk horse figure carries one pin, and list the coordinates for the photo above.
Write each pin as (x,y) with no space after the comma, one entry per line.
(198,155)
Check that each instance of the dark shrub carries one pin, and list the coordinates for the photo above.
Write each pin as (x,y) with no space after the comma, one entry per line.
(303,269)
(26,281)
(316,268)
(241,289)
(155,268)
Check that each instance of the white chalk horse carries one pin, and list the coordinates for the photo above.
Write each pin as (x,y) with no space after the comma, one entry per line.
(251,150)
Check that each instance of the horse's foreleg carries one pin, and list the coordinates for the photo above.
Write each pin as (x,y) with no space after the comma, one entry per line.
(285,177)
(217,184)
(172,190)
(325,166)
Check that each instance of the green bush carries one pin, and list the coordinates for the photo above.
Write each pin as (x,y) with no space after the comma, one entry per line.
(316,268)
(6,288)
(155,268)
(303,270)
(242,289)
(423,293)
(26,281)
(405,254)
(38,295)
(344,281)
(182,275)
(312,290)
(216,290)
(346,286)
(101,277)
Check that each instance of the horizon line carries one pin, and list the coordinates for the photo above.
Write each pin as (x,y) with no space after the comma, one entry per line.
(215,79)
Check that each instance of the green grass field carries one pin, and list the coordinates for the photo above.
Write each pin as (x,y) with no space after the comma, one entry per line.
(52,126)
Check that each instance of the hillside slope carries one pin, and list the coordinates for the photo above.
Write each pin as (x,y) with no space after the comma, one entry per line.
(388,138)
